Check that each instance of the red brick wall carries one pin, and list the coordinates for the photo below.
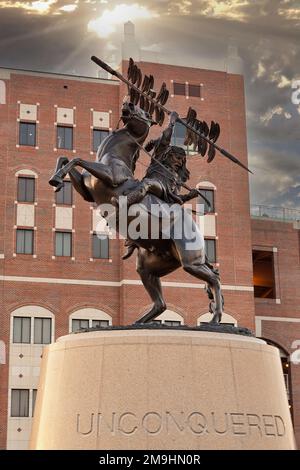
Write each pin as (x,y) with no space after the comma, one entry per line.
(4,324)
(285,238)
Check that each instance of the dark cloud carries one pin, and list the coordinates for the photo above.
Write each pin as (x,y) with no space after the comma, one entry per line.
(195,32)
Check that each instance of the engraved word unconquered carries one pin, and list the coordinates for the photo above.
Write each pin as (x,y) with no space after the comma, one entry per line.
(153,423)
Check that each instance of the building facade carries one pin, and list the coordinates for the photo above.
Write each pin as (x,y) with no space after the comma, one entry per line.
(58,277)
(276,269)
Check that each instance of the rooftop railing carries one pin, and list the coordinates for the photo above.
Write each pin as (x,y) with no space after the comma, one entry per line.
(273,212)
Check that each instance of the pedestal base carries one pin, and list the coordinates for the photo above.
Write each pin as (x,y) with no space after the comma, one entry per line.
(161,389)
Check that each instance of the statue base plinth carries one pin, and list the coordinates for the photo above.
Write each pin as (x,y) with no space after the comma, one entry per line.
(161,389)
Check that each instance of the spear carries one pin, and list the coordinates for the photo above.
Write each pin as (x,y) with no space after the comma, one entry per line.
(117,74)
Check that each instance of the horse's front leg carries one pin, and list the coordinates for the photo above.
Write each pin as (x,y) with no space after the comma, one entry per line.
(60,162)
(97,169)
(56,179)
(63,166)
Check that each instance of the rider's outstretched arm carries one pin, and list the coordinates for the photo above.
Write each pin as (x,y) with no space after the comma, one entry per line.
(162,143)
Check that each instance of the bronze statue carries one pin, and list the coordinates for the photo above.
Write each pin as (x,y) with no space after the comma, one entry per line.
(112,176)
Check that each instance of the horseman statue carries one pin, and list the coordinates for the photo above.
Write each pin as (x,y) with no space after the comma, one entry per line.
(156,198)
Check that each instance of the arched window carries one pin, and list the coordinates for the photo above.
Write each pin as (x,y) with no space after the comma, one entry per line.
(208,190)
(32,324)
(88,318)
(26,172)
(26,189)
(169,317)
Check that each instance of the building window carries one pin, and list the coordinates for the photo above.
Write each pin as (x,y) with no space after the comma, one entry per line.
(194,90)
(172,322)
(27,135)
(210,250)
(285,368)
(100,246)
(98,136)
(26,189)
(209,195)
(263,274)
(178,136)
(19,403)
(65,195)
(42,330)
(63,244)
(24,241)
(64,137)
(79,324)
(34,392)
(179,88)
(21,329)
(100,323)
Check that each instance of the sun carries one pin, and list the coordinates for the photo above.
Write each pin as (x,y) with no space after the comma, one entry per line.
(107,23)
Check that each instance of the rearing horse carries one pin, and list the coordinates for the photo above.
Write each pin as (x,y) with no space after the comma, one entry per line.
(111,176)
(112,173)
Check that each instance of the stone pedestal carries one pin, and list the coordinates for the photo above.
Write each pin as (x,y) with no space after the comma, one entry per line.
(161,389)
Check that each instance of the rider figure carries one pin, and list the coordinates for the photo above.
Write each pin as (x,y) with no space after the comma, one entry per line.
(167,171)
(164,176)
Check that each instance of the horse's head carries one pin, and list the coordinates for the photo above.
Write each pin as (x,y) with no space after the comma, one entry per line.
(137,121)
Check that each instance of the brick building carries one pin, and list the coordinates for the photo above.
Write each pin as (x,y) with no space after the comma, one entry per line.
(57,277)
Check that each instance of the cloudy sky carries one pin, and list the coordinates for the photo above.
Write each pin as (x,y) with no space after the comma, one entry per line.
(60,36)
